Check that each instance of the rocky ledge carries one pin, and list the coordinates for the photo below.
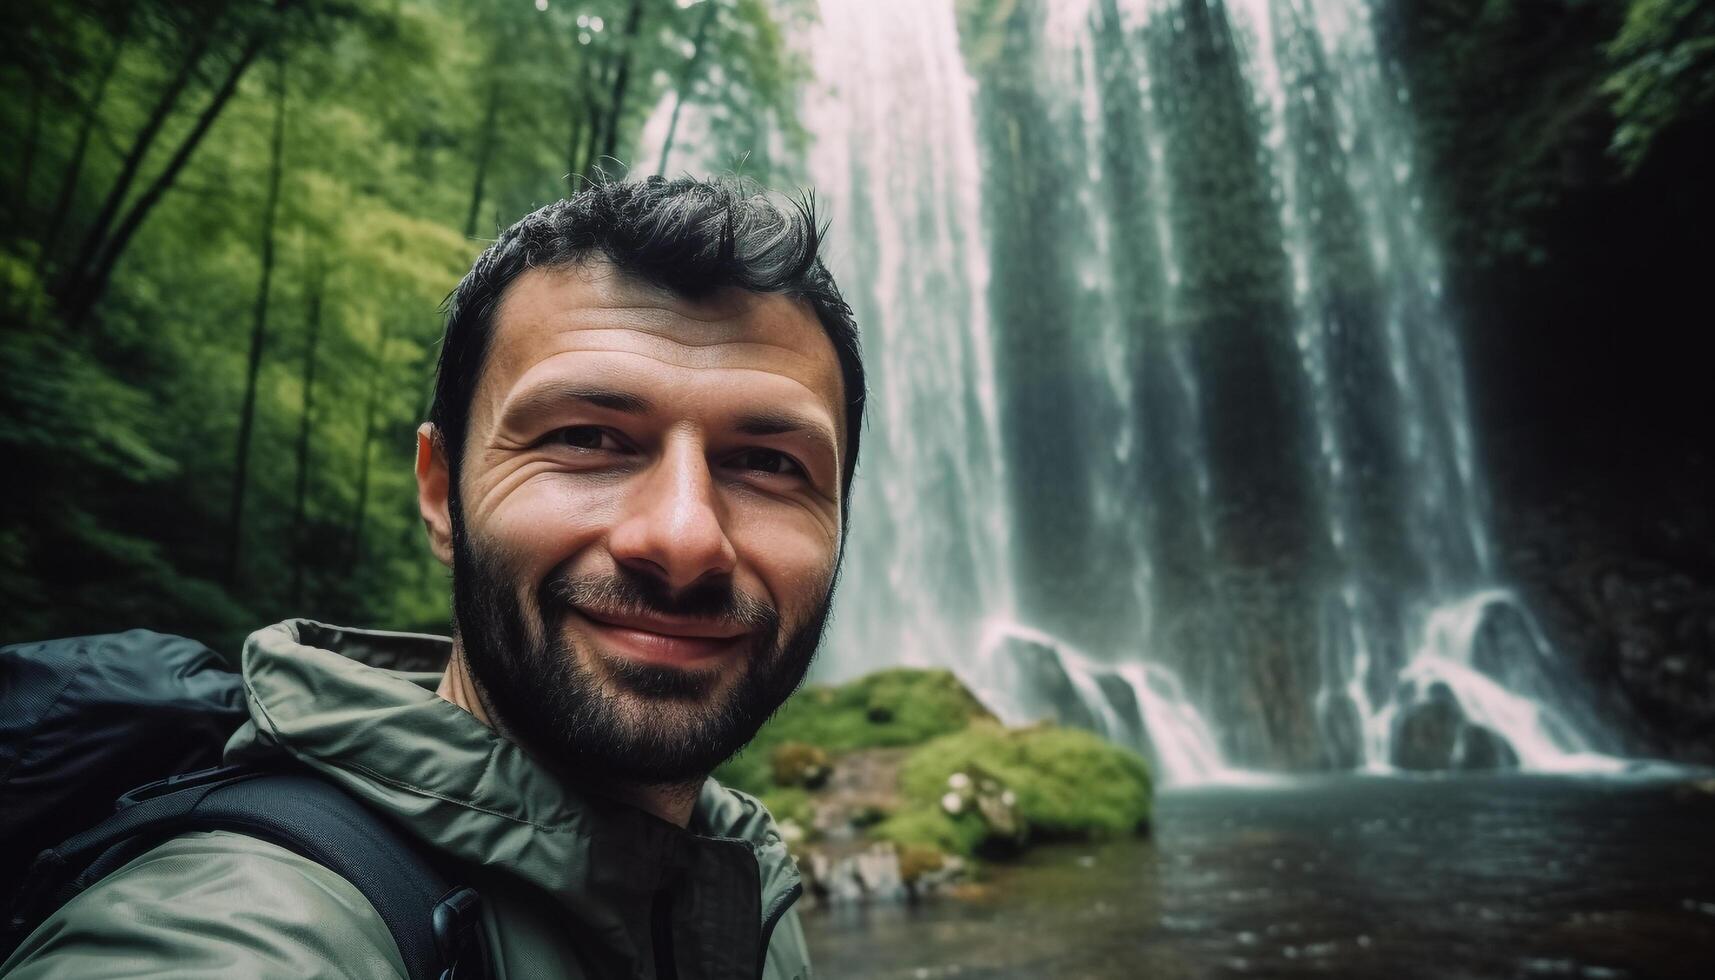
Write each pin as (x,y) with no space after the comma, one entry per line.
(900,784)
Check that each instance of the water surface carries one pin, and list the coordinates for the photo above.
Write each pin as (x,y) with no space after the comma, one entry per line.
(1471,876)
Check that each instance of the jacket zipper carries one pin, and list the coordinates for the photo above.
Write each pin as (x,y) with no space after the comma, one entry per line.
(775,914)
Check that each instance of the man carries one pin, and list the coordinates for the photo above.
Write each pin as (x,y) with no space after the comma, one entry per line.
(637,464)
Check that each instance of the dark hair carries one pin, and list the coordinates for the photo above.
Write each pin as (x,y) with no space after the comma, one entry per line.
(689,236)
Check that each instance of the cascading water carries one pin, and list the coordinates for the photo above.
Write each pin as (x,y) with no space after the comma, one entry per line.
(1160,367)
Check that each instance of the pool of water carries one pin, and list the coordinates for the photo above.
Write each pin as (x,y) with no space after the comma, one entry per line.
(1469,876)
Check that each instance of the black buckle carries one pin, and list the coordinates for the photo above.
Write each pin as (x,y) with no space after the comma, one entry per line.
(457,925)
(161,787)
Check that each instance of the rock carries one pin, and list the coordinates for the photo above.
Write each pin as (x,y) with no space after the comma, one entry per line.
(1426,736)
(1480,748)
(798,764)
(1435,736)
(999,810)
(866,875)
(1045,689)
(917,861)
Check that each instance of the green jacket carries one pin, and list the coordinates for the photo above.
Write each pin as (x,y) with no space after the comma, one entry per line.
(568,880)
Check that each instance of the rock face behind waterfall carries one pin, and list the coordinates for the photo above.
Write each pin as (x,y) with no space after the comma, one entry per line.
(1619,569)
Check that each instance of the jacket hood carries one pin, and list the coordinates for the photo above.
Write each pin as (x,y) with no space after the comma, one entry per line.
(463,790)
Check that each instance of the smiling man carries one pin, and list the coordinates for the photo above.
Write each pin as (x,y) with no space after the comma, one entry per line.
(640,495)
(637,464)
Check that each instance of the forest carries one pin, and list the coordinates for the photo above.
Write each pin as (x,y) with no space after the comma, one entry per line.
(228,229)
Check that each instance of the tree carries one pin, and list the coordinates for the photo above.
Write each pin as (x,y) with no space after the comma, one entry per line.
(686,78)
(80,148)
(258,326)
(306,422)
(621,79)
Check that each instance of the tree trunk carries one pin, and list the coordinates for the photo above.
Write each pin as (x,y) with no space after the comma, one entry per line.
(27,165)
(258,328)
(94,283)
(621,78)
(686,79)
(574,139)
(300,495)
(377,382)
(484,152)
(74,168)
(69,288)
(592,140)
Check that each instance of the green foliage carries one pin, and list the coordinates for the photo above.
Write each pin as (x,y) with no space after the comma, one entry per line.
(1523,110)
(1069,783)
(136,241)
(890,708)
(788,803)
(1664,72)
(927,825)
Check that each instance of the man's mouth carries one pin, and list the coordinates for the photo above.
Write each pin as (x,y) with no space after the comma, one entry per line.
(666,640)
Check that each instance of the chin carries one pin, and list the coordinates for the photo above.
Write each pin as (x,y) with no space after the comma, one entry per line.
(651,682)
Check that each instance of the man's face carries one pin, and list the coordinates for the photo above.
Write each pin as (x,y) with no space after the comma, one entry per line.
(647,525)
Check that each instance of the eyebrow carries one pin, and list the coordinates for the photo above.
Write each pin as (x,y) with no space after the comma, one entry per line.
(776,423)
(547,397)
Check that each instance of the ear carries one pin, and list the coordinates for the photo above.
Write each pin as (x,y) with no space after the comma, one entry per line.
(433,483)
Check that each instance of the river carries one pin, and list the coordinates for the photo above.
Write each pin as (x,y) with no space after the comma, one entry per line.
(1443,877)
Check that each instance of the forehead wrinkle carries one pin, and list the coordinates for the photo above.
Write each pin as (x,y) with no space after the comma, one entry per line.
(701,355)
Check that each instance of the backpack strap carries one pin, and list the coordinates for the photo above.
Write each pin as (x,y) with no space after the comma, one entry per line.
(437,927)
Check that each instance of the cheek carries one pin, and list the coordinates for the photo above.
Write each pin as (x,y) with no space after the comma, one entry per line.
(794,558)
(544,522)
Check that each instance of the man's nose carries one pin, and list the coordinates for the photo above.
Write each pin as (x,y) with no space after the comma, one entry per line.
(671,524)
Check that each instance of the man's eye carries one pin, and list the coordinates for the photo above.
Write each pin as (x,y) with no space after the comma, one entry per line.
(584,437)
(767,461)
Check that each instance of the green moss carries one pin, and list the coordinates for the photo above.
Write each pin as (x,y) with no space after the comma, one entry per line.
(1068,782)
(749,772)
(930,826)
(789,803)
(887,709)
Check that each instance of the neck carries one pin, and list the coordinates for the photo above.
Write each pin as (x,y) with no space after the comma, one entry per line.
(672,802)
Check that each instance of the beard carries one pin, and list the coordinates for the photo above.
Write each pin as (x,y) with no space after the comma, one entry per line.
(593,715)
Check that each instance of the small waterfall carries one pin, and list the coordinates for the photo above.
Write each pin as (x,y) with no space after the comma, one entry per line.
(1170,437)
(1026,676)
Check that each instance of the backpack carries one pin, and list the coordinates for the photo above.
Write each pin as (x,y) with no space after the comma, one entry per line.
(84,720)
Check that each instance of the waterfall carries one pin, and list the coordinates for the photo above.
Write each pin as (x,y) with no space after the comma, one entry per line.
(1169,433)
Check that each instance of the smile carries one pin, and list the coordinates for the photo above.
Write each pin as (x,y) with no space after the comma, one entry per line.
(665,640)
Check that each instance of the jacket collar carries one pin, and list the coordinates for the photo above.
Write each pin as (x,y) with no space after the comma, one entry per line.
(389,739)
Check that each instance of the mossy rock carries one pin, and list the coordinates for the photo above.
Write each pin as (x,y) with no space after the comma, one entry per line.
(890,708)
(917,860)
(1068,783)
(798,764)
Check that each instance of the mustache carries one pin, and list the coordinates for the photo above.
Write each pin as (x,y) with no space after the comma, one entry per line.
(631,593)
